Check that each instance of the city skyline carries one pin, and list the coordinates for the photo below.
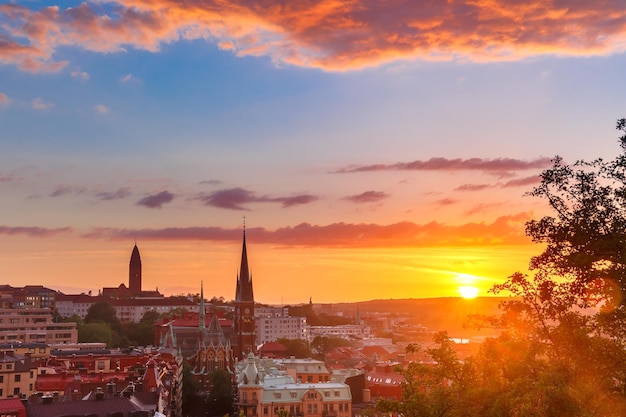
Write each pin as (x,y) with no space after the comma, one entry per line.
(375,149)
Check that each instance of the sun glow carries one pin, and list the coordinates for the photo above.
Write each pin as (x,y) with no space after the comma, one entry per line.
(468,291)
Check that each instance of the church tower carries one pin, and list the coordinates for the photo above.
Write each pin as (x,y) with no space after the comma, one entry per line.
(134,272)
(244,325)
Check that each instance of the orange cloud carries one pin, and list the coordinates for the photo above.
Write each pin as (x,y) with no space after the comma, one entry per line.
(330,34)
(506,230)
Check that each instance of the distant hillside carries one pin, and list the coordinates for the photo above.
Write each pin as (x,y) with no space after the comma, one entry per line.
(448,314)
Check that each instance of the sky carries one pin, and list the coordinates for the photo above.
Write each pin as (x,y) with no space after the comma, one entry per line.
(373,149)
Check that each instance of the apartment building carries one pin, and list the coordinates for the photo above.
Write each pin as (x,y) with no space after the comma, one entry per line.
(17,375)
(34,325)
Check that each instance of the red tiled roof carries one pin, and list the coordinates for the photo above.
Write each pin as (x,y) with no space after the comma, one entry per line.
(11,405)
(273,347)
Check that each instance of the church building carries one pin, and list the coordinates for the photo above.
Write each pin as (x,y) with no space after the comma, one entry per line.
(211,341)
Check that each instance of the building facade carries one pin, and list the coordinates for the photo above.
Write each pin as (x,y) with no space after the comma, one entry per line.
(265,390)
(34,325)
(17,375)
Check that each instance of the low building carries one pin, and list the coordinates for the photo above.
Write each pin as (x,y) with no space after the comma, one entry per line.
(127,309)
(34,325)
(17,375)
(346,331)
(264,389)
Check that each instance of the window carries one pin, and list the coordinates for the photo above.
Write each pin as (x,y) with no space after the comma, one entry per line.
(1,378)
(265,410)
(16,391)
(101,365)
(17,377)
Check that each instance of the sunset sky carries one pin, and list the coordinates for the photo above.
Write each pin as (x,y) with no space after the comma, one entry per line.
(377,149)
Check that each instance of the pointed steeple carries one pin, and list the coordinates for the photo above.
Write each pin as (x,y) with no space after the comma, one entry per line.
(244,280)
(201,317)
(134,271)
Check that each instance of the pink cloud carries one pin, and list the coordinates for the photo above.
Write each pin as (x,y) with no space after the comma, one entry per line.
(236,198)
(33,231)
(39,104)
(4,99)
(446,202)
(472,187)
(516,182)
(296,200)
(156,200)
(331,34)
(367,197)
(504,230)
(10,177)
(498,166)
(523,182)
(63,190)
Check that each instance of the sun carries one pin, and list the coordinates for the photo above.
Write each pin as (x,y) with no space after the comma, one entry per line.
(468,291)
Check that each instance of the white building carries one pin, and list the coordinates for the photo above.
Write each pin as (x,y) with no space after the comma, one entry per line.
(266,388)
(129,309)
(270,329)
(347,331)
(34,325)
(273,323)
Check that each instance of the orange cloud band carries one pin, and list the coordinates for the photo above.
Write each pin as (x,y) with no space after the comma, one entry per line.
(333,35)
(506,230)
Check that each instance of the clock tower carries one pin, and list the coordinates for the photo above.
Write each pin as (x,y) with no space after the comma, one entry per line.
(244,331)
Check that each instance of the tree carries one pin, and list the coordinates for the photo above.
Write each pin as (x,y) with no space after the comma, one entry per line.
(295,347)
(220,399)
(102,312)
(95,332)
(324,344)
(191,387)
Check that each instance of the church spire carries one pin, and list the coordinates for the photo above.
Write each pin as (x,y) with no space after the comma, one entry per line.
(244,280)
(201,317)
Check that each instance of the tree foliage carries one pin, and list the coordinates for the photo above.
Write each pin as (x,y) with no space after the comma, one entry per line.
(220,400)
(295,347)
